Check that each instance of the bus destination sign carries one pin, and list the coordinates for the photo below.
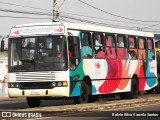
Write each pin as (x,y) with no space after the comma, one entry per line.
(36,30)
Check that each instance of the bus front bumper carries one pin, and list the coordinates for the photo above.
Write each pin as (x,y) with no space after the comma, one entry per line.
(55,92)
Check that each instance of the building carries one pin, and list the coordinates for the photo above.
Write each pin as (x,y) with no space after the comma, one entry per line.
(4,57)
(3,70)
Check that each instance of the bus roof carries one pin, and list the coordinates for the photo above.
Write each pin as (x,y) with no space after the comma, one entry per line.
(88,27)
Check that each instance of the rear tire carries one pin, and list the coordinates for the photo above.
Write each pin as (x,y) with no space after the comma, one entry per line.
(157,88)
(133,94)
(134,90)
(142,92)
(123,96)
(83,98)
(33,101)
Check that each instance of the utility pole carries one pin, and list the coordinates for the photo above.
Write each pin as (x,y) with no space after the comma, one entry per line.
(55,11)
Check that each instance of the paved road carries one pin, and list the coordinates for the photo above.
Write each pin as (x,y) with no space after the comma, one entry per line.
(21,104)
(146,112)
(15,104)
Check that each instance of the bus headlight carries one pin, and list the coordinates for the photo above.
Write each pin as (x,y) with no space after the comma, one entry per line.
(54,84)
(17,85)
(13,85)
(59,84)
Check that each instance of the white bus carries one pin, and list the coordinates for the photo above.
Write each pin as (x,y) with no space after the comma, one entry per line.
(79,61)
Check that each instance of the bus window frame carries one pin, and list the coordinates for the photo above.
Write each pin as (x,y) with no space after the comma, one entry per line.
(101,46)
(135,47)
(153,48)
(90,41)
(145,47)
(89,38)
(113,46)
(125,45)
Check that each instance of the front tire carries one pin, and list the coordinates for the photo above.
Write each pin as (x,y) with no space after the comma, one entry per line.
(83,98)
(33,101)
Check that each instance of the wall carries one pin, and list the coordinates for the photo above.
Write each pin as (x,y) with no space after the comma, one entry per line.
(3,71)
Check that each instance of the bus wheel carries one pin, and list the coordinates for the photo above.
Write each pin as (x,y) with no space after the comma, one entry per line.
(123,96)
(157,88)
(134,90)
(33,101)
(83,98)
(93,98)
(141,92)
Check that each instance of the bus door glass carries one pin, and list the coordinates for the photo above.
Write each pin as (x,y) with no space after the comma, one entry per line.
(73,51)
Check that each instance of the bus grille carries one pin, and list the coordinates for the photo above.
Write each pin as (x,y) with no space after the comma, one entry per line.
(37,76)
(35,85)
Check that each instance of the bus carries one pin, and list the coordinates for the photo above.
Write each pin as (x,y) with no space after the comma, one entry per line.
(68,60)
(157,88)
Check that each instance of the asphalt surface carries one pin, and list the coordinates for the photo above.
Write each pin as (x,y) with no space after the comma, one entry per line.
(59,108)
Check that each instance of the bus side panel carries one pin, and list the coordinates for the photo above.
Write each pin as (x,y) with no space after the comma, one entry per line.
(107,76)
(158,62)
(112,75)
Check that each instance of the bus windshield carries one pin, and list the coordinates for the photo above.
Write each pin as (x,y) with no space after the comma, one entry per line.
(41,53)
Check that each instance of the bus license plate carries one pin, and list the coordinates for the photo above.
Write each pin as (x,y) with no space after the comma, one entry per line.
(34,93)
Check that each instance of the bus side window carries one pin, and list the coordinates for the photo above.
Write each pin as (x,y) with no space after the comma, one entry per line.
(132,47)
(110,46)
(122,47)
(151,53)
(141,48)
(98,45)
(86,51)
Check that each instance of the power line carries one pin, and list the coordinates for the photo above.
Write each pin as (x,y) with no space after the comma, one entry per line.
(65,12)
(24,6)
(49,14)
(24,12)
(113,14)
(150,26)
(66,20)
(102,18)
(73,18)
(22,17)
(69,17)
(61,4)
(97,23)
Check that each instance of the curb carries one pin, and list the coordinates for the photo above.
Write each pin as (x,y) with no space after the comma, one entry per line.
(97,106)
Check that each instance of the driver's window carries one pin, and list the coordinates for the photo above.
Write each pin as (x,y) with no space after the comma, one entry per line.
(28,45)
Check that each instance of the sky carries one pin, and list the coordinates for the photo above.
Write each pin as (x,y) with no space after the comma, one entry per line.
(114,13)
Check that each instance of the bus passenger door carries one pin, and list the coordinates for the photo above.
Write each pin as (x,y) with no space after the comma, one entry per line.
(73,52)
